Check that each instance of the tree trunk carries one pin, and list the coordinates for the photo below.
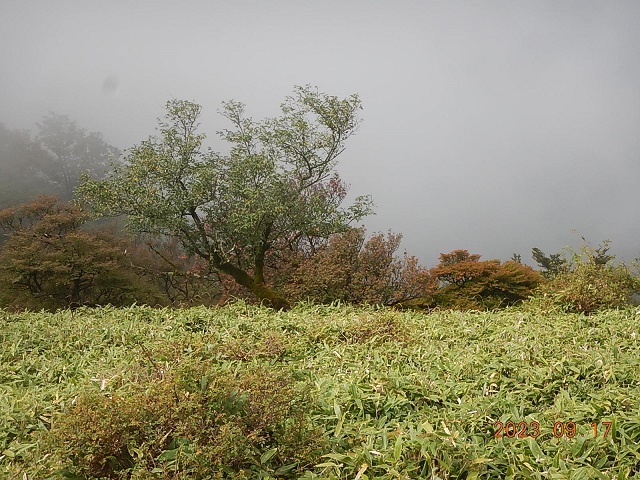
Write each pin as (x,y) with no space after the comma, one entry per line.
(259,289)
(264,293)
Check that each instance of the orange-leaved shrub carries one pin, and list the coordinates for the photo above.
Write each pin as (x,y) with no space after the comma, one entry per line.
(468,283)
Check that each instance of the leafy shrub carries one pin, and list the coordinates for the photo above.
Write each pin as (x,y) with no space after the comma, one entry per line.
(199,421)
(469,284)
(588,288)
(349,268)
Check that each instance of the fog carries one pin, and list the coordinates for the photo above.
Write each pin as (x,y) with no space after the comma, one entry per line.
(491,126)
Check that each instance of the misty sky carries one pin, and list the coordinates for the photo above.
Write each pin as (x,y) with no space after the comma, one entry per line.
(494,126)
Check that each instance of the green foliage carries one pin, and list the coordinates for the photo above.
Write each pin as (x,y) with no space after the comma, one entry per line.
(551,265)
(592,282)
(324,392)
(277,184)
(199,421)
(469,284)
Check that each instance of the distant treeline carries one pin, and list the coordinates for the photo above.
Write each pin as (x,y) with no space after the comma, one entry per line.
(52,257)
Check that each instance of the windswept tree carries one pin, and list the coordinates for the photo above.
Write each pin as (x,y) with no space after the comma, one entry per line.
(278,183)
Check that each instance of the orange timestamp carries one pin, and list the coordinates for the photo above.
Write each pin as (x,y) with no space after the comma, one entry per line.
(532,429)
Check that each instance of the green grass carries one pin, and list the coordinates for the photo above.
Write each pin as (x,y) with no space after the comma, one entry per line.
(384,394)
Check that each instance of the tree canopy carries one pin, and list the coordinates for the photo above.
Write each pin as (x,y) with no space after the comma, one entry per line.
(49,261)
(469,283)
(278,183)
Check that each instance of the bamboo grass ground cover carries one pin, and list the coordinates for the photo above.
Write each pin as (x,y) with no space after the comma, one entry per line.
(319,392)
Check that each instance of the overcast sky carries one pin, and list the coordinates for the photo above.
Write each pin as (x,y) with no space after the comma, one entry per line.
(494,126)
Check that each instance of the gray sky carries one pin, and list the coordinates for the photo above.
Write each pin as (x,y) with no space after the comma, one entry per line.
(493,126)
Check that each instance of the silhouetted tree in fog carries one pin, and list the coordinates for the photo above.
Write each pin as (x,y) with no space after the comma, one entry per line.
(73,151)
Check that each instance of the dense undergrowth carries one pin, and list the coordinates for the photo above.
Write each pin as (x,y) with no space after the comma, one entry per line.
(319,393)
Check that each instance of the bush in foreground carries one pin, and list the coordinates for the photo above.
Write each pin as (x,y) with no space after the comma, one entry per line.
(199,422)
